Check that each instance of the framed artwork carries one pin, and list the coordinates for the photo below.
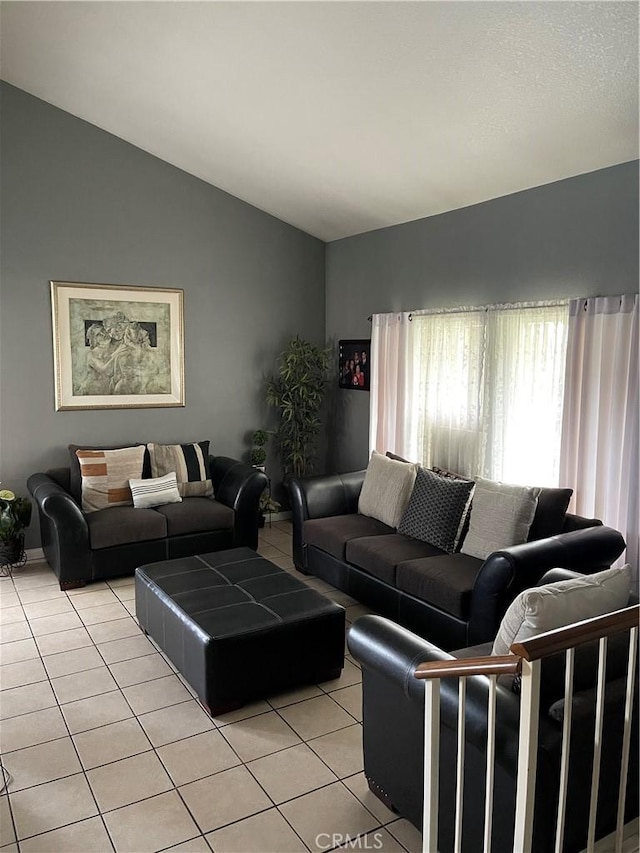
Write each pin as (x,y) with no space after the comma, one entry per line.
(354,364)
(117,347)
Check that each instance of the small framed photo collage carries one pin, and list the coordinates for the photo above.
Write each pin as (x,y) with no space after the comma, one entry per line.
(354,364)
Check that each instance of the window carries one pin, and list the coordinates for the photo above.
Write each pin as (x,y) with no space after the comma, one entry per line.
(488,391)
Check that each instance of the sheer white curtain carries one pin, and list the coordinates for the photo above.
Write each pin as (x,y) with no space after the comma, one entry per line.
(391,425)
(523,392)
(449,353)
(599,455)
(488,390)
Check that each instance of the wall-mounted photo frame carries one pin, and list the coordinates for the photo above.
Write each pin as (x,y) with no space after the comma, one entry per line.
(117,346)
(354,364)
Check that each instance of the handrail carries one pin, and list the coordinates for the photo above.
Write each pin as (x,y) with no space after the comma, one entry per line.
(488,665)
(578,634)
(558,640)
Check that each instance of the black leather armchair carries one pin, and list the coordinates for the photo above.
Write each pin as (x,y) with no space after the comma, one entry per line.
(200,525)
(393,738)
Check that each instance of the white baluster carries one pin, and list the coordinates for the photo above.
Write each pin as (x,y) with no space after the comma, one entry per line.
(566,741)
(491,758)
(462,704)
(626,738)
(527,756)
(431,765)
(597,744)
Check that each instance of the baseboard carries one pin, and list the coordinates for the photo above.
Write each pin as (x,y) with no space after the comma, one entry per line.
(34,555)
(279,516)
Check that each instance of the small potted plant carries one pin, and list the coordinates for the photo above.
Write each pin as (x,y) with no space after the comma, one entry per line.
(258,454)
(267,505)
(15,515)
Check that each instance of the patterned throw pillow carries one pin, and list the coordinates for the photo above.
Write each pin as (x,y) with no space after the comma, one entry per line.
(554,605)
(437,509)
(106,475)
(190,462)
(501,515)
(156,491)
(386,489)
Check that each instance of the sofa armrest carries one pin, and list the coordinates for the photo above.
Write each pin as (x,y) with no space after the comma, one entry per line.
(63,529)
(240,487)
(579,522)
(321,497)
(387,649)
(506,573)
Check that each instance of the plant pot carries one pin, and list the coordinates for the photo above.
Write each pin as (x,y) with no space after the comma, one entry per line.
(12,551)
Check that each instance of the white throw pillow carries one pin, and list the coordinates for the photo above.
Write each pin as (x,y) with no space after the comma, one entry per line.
(555,605)
(501,516)
(386,489)
(155,491)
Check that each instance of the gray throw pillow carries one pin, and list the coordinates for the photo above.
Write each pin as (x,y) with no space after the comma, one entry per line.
(386,489)
(436,509)
(501,515)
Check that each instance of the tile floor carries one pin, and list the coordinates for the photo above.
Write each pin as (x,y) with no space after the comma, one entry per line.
(110,751)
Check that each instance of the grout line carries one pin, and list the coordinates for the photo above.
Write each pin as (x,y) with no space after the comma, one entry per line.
(216,727)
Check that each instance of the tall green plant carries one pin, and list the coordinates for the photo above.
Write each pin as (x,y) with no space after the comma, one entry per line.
(298,392)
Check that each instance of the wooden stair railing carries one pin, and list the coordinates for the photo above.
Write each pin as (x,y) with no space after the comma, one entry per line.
(525,659)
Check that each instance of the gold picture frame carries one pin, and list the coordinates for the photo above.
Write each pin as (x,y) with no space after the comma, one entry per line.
(117,346)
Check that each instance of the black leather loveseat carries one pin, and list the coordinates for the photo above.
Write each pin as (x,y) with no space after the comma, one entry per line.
(393,737)
(454,600)
(83,547)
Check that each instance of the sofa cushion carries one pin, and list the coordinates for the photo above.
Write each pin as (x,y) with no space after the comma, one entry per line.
(554,605)
(501,516)
(106,475)
(379,555)
(120,525)
(386,489)
(446,581)
(190,463)
(332,534)
(550,513)
(437,509)
(196,515)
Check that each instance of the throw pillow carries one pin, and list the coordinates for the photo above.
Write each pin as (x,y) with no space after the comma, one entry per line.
(155,491)
(555,605)
(450,475)
(106,475)
(75,475)
(436,509)
(501,516)
(550,513)
(386,489)
(190,462)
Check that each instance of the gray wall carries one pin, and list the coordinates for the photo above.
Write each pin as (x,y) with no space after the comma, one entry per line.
(78,204)
(577,237)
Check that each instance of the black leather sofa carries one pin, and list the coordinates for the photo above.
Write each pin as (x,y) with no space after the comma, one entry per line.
(393,737)
(454,600)
(83,547)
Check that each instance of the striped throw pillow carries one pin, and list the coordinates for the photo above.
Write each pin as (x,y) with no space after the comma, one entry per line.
(190,462)
(155,491)
(106,475)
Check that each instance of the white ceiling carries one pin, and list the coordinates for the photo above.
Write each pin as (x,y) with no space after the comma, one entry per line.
(342,117)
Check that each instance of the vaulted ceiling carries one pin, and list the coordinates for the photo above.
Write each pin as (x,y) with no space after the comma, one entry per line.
(342,117)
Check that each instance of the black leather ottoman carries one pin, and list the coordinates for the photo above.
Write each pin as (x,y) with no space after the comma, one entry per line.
(238,627)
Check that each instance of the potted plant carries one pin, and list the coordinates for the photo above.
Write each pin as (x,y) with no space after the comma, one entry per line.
(267,505)
(15,515)
(298,392)
(258,454)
